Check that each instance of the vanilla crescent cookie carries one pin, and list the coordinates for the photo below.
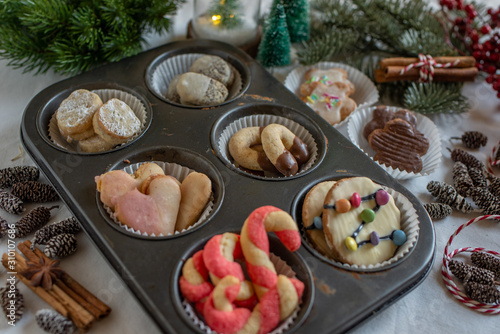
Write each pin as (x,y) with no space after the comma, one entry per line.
(361,222)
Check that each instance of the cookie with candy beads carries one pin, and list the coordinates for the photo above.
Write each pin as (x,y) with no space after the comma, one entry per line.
(361,222)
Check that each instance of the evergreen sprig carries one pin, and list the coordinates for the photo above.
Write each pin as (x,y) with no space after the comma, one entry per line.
(73,36)
(361,32)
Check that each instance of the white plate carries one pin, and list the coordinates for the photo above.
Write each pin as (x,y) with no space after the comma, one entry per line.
(430,161)
(365,94)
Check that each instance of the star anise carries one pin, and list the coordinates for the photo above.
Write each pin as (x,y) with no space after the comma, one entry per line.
(43,273)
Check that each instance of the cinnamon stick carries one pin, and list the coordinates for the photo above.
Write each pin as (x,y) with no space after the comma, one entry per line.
(463,61)
(393,73)
(75,286)
(41,292)
(25,248)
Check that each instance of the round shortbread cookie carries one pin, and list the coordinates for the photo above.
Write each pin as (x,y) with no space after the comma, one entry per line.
(74,115)
(340,226)
(116,122)
(94,144)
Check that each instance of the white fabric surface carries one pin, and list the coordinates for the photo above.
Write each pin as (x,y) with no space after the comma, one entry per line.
(427,309)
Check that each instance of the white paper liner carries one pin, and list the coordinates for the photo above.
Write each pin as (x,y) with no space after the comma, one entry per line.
(409,224)
(172,169)
(261,121)
(105,94)
(282,268)
(164,73)
(430,160)
(365,93)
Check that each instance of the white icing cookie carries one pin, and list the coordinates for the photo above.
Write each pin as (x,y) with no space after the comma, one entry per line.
(339,226)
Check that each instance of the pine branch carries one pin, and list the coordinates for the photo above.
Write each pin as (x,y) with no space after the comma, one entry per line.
(427,98)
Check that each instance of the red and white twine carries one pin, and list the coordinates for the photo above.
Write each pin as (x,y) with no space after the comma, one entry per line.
(426,64)
(447,275)
(491,159)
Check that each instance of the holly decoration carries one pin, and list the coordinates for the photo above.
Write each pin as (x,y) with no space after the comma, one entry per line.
(474,29)
(72,36)
(275,47)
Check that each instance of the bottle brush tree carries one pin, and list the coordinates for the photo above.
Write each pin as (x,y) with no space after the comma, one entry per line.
(297,19)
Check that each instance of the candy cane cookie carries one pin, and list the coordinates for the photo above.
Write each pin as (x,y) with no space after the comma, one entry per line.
(284,149)
(194,284)
(219,254)
(255,244)
(276,305)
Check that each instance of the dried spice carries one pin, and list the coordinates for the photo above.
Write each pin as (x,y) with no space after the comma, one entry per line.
(486,261)
(60,246)
(54,323)
(11,175)
(446,194)
(478,178)
(468,159)
(437,210)
(473,139)
(43,273)
(35,219)
(34,191)
(43,235)
(461,179)
(11,203)
(9,297)
(474,274)
(486,201)
(482,293)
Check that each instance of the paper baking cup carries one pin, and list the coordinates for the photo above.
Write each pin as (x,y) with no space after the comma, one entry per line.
(105,94)
(175,170)
(282,268)
(409,224)
(262,121)
(430,160)
(168,69)
(365,93)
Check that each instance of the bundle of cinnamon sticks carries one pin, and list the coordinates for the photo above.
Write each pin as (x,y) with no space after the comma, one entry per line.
(393,69)
(66,296)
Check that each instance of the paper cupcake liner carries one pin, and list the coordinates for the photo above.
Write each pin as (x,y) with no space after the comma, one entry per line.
(132,101)
(365,93)
(430,160)
(177,171)
(168,69)
(261,121)
(282,268)
(409,224)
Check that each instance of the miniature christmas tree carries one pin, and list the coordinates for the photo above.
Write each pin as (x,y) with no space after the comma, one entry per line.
(225,14)
(274,49)
(297,19)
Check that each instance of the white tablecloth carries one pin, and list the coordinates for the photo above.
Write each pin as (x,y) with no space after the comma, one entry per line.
(429,308)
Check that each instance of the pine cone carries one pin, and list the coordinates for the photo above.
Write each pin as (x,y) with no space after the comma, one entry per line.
(482,293)
(43,235)
(468,159)
(60,246)
(478,178)
(473,139)
(486,201)
(446,194)
(486,261)
(494,186)
(54,323)
(34,191)
(35,219)
(11,175)
(437,210)
(472,273)
(11,203)
(13,305)
(461,179)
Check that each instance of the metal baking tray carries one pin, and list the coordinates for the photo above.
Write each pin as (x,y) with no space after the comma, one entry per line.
(335,299)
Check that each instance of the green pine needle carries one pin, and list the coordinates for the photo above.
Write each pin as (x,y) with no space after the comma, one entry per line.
(431,98)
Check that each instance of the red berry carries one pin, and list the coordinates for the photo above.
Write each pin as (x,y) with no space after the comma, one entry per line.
(491,69)
(490,79)
(485,29)
(498,95)
(476,54)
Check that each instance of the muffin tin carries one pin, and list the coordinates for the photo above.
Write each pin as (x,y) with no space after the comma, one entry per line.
(336,299)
